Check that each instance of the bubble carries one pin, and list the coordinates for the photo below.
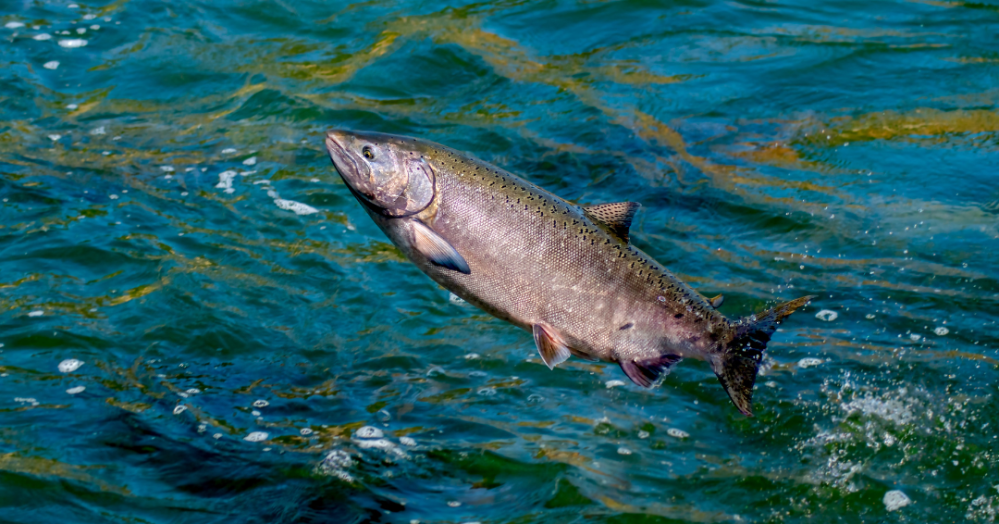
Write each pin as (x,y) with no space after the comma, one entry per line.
(193,391)
(256,436)
(335,463)
(643,434)
(454,503)
(914,337)
(305,431)
(869,316)
(407,441)
(217,436)
(895,499)
(471,356)
(13,25)
(228,151)
(810,362)
(75,390)
(51,64)
(42,36)
(167,169)
(487,392)
(70,365)
(614,383)
(179,409)
(72,107)
(26,400)
(36,313)
(826,315)
(368,432)
(377,443)
(623,451)
(71,43)
(202,428)
(260,403)
(100,130)
(535,398)
(250,161)
(255,413)
(941,331)
(677,433)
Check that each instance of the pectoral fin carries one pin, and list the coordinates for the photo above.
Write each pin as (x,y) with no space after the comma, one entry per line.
(551,346)
(647,372)
(617,216)
(436,249)
(716,302)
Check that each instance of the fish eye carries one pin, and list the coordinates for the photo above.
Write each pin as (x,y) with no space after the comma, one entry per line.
(368,153)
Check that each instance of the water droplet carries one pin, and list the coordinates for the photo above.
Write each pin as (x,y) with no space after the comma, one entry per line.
(677,433)
(42,36)
(250,161)
(368,432)
(179,409)
(826,315)
(941,331)
(13,25)
(260,403)
(36,313)
(643,434)
(810,362)
(70,365)
(228,151)
(75,390)
(614,383)
(256,436)
(305,431)
(454,503)
(869,316)
(914,337)
(52,64)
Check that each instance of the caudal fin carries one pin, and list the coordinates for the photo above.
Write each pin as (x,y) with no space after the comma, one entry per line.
(736,368)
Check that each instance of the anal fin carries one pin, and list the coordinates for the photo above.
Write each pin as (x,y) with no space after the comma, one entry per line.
(647,372)
(439,251)
(551,346)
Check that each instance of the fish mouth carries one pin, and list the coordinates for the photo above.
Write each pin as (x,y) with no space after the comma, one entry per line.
(345,163)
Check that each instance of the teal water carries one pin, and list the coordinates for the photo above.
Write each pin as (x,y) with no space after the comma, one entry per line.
(169,218)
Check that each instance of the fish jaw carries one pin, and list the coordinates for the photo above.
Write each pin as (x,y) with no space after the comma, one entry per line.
(346,165)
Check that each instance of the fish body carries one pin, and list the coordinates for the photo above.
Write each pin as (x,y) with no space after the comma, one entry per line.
(565,272)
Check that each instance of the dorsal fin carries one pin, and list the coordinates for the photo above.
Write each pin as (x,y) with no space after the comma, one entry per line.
(616,216)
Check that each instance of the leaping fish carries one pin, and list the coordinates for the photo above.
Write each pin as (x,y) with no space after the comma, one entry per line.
(564,272)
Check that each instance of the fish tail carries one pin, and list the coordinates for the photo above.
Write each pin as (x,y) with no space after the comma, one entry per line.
(737,365)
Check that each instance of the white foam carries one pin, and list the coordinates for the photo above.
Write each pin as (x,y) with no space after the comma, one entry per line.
(228,151)
(52,64)
(941,331)
(335,464)
(368,432)
(179,409)
(261,403)
(677,433)
(75,390)
(827,315)
(296,207)
(250,161)
(98,131)
(42,36)
(225,181)
(455,299)
(54,137)
(167,169)
(305,431)
(895,499)
(81,30)
(643,434)
(13,25)
(471,356)
(71,107)
(70,365)
(407,441)
(613,383)
(623,451)
(36,313)
(810,362)
(487,392)
(256,436)
(71,43)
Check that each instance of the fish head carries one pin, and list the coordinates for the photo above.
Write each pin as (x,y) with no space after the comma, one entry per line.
(388,173)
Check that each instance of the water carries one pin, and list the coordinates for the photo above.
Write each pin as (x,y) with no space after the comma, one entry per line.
(199,323)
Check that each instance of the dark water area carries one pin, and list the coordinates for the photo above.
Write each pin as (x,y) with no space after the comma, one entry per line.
(198,322)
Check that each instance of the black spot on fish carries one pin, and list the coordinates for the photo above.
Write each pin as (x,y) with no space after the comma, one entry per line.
(678,315)
(629,325)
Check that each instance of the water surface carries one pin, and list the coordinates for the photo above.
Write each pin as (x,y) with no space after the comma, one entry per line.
(253,348)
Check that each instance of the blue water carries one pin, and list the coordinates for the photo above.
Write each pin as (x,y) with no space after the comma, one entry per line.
(253,348)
